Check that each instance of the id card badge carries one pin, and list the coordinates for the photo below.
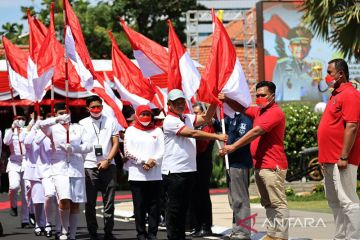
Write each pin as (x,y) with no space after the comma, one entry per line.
(98,150)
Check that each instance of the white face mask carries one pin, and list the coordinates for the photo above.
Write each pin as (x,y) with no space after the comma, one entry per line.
(95,115)
(145,123)
(21,123)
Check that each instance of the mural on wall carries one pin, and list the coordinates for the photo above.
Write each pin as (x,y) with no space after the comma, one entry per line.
(294,59)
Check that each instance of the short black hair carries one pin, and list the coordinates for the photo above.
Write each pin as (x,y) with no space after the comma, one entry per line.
(59,106)
(270,85)
(341,65)
(93,98)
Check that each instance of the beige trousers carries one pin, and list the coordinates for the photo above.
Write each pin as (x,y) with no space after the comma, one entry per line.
(271,186)
(340,189)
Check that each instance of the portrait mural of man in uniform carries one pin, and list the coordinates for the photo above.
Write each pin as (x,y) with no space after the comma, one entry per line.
(293,74)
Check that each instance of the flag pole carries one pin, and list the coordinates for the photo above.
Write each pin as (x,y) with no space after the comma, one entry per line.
(161,105)
(52,97)
(66,77)
(13,103)
(223,131)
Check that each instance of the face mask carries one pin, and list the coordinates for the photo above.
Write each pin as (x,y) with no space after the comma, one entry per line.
(95,112)
(21,123)
(262,102)
(330,81)
(145,120)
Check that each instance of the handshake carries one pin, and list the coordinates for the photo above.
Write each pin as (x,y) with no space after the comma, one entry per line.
(63,119)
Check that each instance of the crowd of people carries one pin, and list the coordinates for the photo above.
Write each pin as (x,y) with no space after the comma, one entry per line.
(59,165)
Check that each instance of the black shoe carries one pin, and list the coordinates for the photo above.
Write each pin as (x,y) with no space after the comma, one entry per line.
(13,212)
(202,233)
(1,230)
(32,219)
(94,236)
(109,236)
(25,225)
(57,235)
(151,237)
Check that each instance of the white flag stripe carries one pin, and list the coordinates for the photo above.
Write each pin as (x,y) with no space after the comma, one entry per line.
(84,74)
(126,95)
(42,83)
(237,89)
(147,67)
(22,85)
(190,76)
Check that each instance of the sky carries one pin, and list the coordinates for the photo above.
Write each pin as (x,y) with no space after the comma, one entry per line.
(10,10)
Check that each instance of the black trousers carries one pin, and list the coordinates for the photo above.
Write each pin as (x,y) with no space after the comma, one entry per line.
(178,188)
(201,207)
(146,200)
(104,181)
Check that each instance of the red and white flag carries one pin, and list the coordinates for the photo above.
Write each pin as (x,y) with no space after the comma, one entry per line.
(129,81)
(78,54)
(76,49)
(223,72)
(43,57)
(151,56)
(17,62)
(182,73)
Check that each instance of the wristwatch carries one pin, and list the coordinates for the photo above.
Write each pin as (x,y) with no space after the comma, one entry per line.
(344,158)
(109,160)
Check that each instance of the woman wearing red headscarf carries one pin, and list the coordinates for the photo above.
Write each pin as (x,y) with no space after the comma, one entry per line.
(144,147)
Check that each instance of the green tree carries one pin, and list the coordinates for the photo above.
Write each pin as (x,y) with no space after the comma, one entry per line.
(336,21)
(14,32)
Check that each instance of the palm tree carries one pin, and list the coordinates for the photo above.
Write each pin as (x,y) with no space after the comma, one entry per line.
(337,21)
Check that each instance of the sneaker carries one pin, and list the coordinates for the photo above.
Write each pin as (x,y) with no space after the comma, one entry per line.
(234,236)
(57,235)
(63,237)
(48,231)
(37,231)
(13,212)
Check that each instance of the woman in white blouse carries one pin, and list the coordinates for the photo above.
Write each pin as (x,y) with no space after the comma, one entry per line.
(144,148)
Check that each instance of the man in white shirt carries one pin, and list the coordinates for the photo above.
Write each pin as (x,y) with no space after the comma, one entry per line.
(14,138)
(100,169)
(179,164)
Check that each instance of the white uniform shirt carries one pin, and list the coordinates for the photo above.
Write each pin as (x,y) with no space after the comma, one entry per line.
(71,165)
(38,147)
(99,132)
(15,139)
(144,145)
(180,152)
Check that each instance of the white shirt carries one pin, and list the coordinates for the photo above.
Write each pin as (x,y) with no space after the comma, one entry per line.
(180,152)
(39,149)
(14,138)
(63,163)
(99,132)
(144,145)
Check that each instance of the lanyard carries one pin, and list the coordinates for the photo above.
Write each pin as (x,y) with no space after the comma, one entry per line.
(97,133)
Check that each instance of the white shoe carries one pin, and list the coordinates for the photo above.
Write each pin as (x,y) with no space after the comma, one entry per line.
(63,237)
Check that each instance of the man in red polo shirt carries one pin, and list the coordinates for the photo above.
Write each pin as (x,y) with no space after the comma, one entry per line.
(339,150)
(267,149)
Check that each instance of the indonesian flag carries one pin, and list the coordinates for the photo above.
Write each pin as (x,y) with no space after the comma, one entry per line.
(43,57)
(77,52)
(17,62)
(38,33)
(129,81)
(223,72)
(76,49)
(151,56)
(182,73)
